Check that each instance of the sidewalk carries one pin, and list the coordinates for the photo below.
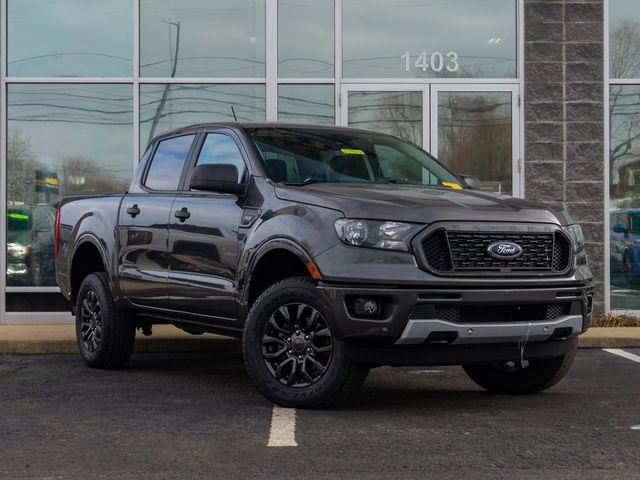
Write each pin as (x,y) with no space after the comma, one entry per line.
(35,339)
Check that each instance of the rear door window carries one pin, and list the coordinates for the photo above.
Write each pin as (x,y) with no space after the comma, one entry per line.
(167,163)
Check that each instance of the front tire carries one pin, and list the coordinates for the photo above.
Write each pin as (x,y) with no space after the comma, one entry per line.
(104,333)
(518,379)
(290,351)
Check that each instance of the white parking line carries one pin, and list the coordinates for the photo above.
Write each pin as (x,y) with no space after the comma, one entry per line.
(283,428)
(623,354)
(414,372)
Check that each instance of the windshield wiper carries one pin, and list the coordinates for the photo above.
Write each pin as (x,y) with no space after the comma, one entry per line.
(307,181)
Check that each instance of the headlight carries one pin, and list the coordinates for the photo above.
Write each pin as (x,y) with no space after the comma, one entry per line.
(373,234)
(17,250)
(577,236)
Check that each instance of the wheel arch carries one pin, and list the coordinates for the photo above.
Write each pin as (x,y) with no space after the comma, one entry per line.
(88,257)
(275,260)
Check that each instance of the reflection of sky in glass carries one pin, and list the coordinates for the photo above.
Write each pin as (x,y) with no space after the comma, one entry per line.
(166,166)
(305,38)
(221,38)
(189,104)
(70,38)
(624,35)
(306,104)
(77,131)
(376,33)
(221,149)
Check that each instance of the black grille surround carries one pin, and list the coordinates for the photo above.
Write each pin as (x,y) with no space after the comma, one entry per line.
(460,249)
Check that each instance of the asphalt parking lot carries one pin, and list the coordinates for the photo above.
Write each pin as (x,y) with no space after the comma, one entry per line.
(197,416)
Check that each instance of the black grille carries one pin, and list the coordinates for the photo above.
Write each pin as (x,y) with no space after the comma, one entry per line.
(437,251)
(466,252)
(560,253)
(448,313)
(500,313)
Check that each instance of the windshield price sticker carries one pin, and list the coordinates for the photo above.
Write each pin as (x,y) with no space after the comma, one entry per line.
(437,61)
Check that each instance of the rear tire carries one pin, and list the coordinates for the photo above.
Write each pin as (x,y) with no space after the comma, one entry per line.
(291,353)
(535,377)
(104,333)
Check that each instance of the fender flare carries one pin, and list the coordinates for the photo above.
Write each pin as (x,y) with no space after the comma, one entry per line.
(277,243)
(93,240)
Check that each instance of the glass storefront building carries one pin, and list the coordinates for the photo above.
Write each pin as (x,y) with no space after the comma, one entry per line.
(87,83)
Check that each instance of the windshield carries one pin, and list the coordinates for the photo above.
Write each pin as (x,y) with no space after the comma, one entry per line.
(300,156)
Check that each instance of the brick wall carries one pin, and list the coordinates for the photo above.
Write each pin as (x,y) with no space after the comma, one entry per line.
(563,101)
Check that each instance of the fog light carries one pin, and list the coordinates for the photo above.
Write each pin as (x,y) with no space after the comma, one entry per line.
(366,307)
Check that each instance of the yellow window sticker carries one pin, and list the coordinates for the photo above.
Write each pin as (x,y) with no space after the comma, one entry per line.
(352,151)
(455,186)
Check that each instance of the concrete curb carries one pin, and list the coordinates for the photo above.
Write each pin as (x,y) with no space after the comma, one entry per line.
(41,339)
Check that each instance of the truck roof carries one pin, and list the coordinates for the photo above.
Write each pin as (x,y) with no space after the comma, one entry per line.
(244,125)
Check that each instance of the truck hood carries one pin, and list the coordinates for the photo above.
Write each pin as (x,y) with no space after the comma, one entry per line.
(420,204)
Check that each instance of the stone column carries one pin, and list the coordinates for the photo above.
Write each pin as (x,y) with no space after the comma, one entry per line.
(564,116)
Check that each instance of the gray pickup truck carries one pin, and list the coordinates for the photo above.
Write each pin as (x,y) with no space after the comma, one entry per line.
(329,251)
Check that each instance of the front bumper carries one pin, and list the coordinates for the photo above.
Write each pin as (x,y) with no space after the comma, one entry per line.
(419,331)
(491,315)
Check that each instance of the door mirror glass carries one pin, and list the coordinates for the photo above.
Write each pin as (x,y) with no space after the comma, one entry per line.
(221,178)
(471,181)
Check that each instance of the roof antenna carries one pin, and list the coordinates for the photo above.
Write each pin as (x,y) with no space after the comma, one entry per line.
(234,113)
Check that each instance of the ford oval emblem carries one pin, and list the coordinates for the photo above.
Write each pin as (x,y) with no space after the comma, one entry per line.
(504,250)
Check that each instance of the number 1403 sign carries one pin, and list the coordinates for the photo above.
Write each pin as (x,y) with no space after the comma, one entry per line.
(436,62)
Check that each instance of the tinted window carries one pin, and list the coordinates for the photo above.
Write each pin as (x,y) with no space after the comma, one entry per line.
(202,38)
(61,139)
(219,149)
(72,38)
(166,166)
(419,39)
(165,107)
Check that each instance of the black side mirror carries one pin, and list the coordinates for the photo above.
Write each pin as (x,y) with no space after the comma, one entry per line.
(222,178)
(471,181)
(619,228)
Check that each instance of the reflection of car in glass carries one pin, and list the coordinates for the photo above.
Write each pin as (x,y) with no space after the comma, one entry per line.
(30,244)
(18,249)
(625,243)
(42,244)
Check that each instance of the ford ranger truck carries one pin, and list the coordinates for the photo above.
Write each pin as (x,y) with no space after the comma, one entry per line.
(328,251)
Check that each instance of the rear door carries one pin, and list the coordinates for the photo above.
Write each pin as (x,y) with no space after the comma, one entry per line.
(143,260)
(204,246)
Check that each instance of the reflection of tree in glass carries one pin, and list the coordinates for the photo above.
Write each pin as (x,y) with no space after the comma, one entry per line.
(20,168)
(76,174)
(402,114)
(624,50)
(84,175)
(624,105)
(474,137)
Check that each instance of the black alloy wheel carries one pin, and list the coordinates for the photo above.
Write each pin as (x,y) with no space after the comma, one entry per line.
(91,321)
(105,334)
(291,350)
(297,345)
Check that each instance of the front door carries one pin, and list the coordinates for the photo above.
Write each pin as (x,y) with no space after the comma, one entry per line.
(203,239)
(471,128)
